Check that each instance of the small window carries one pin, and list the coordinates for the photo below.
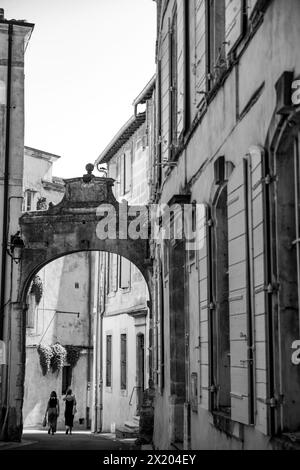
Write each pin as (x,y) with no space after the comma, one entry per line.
(76,285)
(217,61)
(31,312)
(66,379)
(29,201)
(125,273)
(123,362)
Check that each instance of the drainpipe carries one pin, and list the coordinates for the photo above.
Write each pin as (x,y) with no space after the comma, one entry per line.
(89,339)
(6,182)
(100,345)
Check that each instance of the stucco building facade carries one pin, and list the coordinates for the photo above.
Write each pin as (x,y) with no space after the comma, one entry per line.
(14,37)
(227,312)
(62,312)
(125,315)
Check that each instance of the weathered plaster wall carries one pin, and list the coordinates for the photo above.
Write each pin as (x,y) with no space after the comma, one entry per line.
(66,289)
(10,399)
(271,52)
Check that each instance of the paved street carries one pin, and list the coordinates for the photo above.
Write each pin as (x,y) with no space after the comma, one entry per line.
(79,440)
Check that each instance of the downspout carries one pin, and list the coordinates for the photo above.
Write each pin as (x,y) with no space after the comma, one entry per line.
(6,182)
(102,311)
(89,339)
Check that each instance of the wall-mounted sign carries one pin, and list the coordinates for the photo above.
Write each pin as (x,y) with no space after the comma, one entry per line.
(296,354)
(2,353)
(296,93)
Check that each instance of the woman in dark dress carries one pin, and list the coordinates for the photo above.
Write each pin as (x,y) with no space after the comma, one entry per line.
(70,410)
(53,412)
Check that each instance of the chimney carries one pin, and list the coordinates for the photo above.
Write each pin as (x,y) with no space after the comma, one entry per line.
(1,14)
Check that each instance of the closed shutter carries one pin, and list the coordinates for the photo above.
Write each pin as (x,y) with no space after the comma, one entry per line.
(180,66)
(128,166)
(122,174)
(114,272)
(256,155)
(233,23)
(165,95)
(108,360)
(203,260)
(200,49)
(123,362)
(238,297)
(125,272)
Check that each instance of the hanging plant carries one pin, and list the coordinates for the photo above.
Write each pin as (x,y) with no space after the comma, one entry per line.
(37,288)
(59,355)
(73,354)
(45,353)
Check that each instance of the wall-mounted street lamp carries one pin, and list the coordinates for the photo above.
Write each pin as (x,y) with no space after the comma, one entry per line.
(16,247)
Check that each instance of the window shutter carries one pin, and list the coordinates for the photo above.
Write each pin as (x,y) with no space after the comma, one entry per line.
(165,95)
(125,271)
(180,66)
(238,300)
(122,174)
(127,179)
(256,155)
(108,360)
(233,23)
(200,49)
(114,272)
(203,260)
(123,362)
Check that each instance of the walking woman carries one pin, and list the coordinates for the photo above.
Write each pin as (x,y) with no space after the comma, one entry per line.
(53,412)
(70,410)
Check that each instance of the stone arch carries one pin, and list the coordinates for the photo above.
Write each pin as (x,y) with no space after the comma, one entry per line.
(71,226)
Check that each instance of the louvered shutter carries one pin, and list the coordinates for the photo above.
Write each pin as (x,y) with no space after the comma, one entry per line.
(123,362)
(114,272)
(125,273)
(127,169)
(238,300)
(165,95)
(108,360)
(256,155)
(180,66)
(200,49)
(233,23)
(203,259)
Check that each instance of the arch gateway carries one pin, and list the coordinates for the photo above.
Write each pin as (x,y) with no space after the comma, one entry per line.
(88,218)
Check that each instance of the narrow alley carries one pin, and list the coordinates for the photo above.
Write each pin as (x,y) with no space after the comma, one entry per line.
(79,440)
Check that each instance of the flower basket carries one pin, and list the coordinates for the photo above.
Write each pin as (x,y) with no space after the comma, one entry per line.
(45,353)
(73,354)
(37,288)
(58,358)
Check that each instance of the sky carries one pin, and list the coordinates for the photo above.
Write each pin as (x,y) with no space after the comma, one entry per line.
(84,65)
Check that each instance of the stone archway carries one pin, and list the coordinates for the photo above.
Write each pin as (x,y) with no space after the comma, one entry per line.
(69,227)
(72,226)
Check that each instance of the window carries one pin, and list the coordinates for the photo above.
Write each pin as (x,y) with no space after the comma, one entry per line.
(108,359)
(125,273)
(220,365)
(29,201)
(216,40)
(31,312)
(125,173)
(112,270)
(173,85)
(123,362)
(66,379)
(76,285)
